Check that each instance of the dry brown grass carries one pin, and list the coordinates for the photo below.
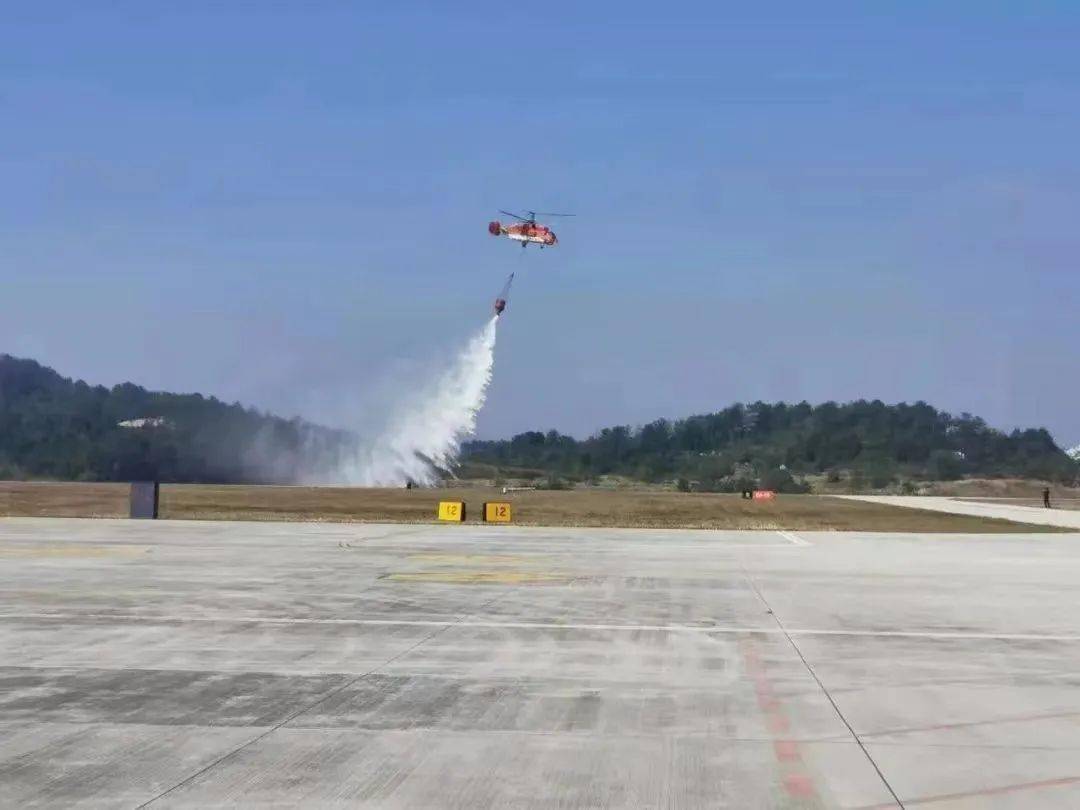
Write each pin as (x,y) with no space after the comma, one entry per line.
(541,508)
(48,499)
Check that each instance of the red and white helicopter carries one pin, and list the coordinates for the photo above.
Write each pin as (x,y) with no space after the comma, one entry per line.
(526,229)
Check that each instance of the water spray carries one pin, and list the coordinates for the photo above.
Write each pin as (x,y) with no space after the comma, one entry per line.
(425,440)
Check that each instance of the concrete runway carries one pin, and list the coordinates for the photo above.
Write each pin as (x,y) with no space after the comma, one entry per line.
(198,665)
(1066,518)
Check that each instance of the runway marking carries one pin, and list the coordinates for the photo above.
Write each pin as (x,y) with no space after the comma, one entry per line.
(475,559)
(971,724)
(452,577)
(974,794)
(46,550)
(793,538)
(797,782)
(632,628)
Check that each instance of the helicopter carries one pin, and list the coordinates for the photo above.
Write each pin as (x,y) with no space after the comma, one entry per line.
(526,229)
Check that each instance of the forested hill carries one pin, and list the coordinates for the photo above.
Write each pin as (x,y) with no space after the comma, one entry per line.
(873,443)
(53,427)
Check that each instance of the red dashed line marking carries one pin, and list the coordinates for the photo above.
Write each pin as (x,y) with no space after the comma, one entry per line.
(796,782)
(787,751)
(800,786)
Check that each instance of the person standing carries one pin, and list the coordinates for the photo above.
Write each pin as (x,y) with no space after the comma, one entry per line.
(1046,497)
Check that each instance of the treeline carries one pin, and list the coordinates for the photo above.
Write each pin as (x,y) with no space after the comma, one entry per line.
(53,427)
(773,444)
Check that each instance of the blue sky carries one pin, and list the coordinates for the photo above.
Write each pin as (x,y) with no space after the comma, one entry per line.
(286,204)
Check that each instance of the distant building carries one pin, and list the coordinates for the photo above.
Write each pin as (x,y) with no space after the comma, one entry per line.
(145,422)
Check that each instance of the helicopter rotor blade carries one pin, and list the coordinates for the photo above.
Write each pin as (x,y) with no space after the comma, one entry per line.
(511,214)
(551,214)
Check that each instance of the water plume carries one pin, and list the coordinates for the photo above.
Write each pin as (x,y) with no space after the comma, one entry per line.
(424,440)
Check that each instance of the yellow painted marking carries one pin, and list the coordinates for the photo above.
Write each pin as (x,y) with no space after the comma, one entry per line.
(70,550)
(480,577)
(471,559)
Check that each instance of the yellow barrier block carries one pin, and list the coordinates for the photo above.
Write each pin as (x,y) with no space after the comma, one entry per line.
(452,510)
(496,512)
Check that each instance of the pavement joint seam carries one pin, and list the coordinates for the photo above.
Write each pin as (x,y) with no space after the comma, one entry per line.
(821,686)
(303,710)
(349,543)
(461,622)
(983,793)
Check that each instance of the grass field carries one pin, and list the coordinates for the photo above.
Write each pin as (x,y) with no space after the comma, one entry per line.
(538,508)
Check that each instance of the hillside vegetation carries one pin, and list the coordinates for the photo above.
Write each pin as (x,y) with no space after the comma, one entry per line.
(868,444)
(53,427)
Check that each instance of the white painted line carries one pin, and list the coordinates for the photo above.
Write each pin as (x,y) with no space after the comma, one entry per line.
(634,628)
(704,548)
(794,538)
(944,634)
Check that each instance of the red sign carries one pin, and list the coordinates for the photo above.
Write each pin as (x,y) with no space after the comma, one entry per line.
(764,494)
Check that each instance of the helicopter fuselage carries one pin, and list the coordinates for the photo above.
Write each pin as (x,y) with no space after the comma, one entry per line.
(525,232)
